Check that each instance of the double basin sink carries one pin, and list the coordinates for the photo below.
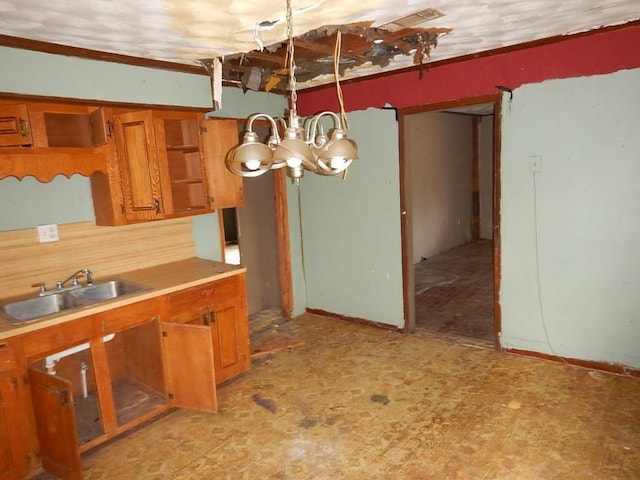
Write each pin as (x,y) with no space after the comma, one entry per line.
(33,309)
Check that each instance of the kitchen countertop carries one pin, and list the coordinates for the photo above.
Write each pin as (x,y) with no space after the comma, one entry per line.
(161,279)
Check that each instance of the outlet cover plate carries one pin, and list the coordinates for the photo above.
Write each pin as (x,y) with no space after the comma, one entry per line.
(48,233)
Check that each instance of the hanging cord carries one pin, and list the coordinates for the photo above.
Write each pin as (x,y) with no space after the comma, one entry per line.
(539,283)
(304,269)
(336,73)
(292,63)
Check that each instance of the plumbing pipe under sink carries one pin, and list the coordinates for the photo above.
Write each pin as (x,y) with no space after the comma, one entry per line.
(51,360)
(83,376)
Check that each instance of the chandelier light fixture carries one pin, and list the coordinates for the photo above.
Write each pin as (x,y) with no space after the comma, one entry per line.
(303,145)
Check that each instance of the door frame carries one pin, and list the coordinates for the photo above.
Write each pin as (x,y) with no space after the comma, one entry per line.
(406,214)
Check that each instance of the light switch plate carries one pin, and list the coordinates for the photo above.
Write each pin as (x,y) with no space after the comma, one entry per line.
(48,233)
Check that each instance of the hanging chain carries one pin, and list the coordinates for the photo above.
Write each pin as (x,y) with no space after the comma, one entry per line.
(292,63)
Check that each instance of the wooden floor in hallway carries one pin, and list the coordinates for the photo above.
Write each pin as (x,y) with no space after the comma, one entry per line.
(356,402)
(454,292)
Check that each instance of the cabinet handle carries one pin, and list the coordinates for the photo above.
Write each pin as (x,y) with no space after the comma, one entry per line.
(208,293)
(156,203)
(213,317)
(205,319)
(24,127)
(111,128)
(64,398)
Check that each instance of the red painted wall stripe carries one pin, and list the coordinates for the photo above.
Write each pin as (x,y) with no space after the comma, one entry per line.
(582,55)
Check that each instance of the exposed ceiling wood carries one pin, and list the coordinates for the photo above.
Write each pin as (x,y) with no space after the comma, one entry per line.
(314,53)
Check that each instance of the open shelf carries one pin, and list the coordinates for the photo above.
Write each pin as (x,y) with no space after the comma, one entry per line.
(186,170)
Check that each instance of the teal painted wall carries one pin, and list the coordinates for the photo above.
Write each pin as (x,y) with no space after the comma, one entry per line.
(27,203)
(570,233)
(351,228)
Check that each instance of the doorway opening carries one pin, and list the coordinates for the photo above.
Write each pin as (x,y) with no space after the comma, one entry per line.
(231,236)
(450,223)
(256,236)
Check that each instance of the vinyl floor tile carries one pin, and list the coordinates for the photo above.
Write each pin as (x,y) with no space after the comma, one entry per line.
(357,402)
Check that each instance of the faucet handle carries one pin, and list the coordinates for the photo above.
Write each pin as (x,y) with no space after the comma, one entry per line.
(88,275)
(41,287)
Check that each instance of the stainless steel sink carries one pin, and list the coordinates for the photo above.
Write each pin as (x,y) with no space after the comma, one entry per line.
(99,292)
(34,308)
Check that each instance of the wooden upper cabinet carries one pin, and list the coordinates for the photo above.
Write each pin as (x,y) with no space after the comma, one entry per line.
(168,164)
(15,130)
(144,165)
(219,136)
(44,140)
(138,165)
(159,168)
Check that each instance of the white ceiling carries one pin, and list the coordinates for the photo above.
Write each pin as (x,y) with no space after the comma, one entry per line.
(184,31)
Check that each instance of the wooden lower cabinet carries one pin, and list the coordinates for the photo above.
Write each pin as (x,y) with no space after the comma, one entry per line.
(229,329)
(83,382)
(53,406)
(17,446)
(190,366)
(220,306)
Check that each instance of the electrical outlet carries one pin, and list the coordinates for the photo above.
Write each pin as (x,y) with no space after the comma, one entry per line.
(48,233)
(536,163)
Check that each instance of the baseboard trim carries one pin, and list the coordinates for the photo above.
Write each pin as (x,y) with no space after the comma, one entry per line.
(616,368)
(362,321)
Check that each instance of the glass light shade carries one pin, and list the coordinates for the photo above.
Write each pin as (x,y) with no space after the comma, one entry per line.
(294,151)
(337,154)
(251,158)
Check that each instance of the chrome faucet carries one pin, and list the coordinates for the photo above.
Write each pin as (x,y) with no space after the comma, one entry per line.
(74,279)
(42,289)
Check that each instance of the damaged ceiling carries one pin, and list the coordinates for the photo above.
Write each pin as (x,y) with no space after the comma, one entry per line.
(361,43)
(377,35)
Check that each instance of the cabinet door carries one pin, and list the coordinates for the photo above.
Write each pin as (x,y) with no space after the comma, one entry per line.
(230,332)
(9,426)
(14,126)
(17,439)
(190,366)
(55,424)
(219,135)
(139,170)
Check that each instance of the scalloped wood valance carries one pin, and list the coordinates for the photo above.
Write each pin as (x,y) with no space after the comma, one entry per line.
(46,163)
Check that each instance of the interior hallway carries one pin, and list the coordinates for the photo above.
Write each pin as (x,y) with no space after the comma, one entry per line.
(454,292)
(357,402)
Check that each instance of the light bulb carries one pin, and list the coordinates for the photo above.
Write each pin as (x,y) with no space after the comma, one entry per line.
(337,162)
(294,162)
(252,165)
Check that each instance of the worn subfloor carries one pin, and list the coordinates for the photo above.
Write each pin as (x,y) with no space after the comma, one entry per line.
(357,402)
(454,292)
